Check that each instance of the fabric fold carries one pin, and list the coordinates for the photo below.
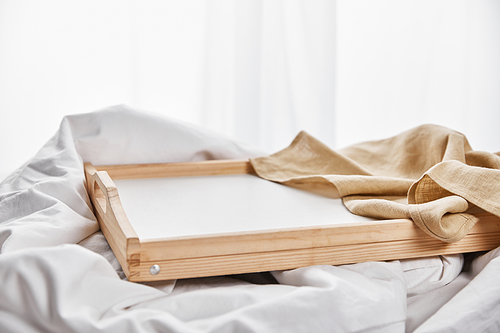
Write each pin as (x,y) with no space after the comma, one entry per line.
(429,174)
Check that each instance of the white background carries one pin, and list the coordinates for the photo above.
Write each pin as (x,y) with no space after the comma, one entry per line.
(260,71)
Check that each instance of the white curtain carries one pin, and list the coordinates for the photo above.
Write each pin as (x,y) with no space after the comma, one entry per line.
(270,70)
(261,71)
(404,63)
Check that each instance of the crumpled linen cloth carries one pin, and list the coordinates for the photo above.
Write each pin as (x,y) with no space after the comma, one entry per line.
(429,174)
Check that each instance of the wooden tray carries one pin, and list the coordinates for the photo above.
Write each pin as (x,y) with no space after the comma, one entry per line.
(254,247)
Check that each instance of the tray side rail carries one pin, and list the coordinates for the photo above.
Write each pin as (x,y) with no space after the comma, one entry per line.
(181,169)
(329,255)
(112,219)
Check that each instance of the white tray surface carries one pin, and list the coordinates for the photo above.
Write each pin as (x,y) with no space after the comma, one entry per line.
(193,206)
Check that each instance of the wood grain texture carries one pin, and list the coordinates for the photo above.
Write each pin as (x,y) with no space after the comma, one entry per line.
(297,238)
(334,255)
(158,170)
(244,252)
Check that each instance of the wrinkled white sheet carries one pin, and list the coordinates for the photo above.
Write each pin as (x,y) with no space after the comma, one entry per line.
(57,273)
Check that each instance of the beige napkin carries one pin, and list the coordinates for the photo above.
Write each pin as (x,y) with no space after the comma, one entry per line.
(429,174)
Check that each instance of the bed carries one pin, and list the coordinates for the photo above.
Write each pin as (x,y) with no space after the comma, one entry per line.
(59,274)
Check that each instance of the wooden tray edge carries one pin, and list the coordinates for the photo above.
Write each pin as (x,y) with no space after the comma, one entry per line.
(134,255)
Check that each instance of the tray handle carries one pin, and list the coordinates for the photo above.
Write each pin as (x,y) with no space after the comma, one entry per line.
(100,187)
(104,196)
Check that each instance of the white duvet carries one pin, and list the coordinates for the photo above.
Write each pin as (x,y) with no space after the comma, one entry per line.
(57,273)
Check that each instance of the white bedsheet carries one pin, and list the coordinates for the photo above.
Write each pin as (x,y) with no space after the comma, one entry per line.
(48,283)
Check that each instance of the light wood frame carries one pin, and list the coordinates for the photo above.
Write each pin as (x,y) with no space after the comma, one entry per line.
(257,251)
